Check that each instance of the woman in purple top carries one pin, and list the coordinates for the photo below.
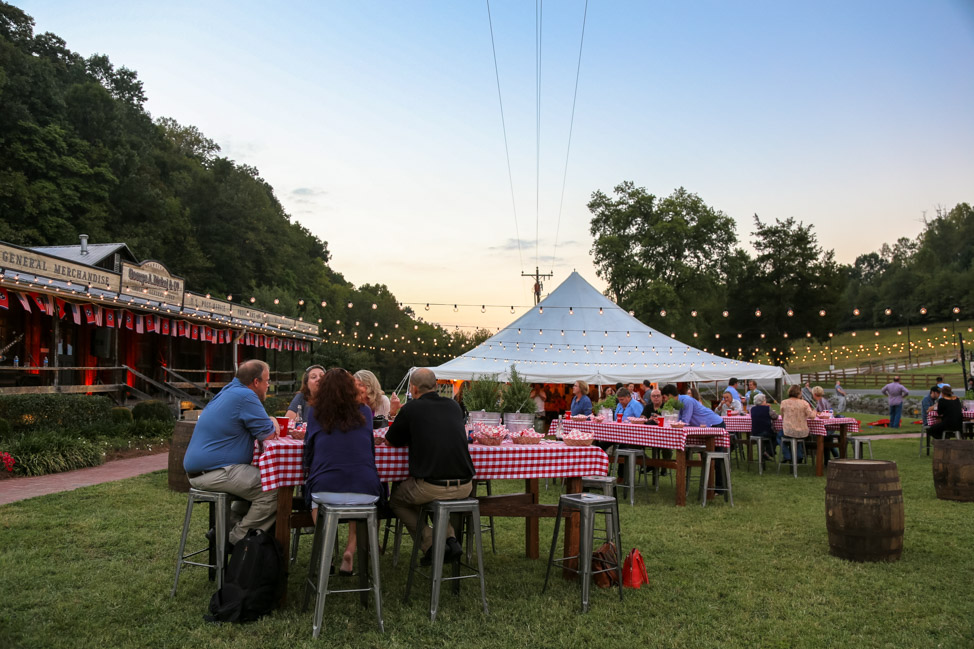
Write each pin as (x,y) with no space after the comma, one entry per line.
(339,452)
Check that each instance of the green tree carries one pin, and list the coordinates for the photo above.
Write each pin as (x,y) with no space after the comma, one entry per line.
(663,259)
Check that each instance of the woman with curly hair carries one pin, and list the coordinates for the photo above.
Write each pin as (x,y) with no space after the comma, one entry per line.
(309,383)
(339,452)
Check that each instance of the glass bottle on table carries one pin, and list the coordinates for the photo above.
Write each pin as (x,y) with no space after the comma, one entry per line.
(299,419)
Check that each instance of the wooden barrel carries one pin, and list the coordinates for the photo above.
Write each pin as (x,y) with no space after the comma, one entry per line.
(864,510)
(953,469)
(177,451)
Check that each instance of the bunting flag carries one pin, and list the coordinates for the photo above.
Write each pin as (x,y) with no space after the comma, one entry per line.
(43,303)
(75,313)
(89,310)
(207,334)
(24,302)
(4,299)
(195,332)
(164,326)
(180,328)
(129,321)
(109,318)
(62,308)
(220,337)
(150,323)
(98,316)
(280,344)
(139,324)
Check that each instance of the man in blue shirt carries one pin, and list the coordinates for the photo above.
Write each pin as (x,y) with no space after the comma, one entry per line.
(692,412)
(627,406)
(732,388)
(221,449)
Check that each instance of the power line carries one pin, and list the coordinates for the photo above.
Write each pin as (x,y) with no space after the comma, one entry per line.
(571,126)
(539,16)
(507,151)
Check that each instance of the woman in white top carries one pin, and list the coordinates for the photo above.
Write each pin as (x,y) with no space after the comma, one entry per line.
(370,393)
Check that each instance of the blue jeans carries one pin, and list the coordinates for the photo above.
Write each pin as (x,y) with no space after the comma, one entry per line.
(894,415)
(786,448)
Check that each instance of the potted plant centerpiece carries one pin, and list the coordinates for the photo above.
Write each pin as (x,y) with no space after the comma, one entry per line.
(481,398)
(516,403)
(607,404)
(671,411)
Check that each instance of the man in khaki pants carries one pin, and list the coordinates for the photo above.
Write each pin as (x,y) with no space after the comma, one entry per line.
(221,449)
(440,467)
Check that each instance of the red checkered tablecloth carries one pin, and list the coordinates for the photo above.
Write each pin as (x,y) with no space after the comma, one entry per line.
(742,424)
(933,417)
(654,436)
(280,463)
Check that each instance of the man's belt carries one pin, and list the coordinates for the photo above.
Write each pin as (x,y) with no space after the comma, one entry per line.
(455,482)
(193,476)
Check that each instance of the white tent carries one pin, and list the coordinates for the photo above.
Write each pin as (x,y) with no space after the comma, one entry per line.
(577,333)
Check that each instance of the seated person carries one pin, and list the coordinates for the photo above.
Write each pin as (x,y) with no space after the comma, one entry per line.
(220,453)
(339,455)
(371,394)
(627,406)
(728,404)
(581,403)
(692,412)
(822,405)
(929,401)
(654,405)
(795,413)
(439,460)
(762,424)
(951,414)
(309,383)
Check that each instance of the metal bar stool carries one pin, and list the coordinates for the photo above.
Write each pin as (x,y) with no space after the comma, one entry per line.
(333,509)
(924,434)
(490,519)
(689,450)
(758,440)
(395,525)
(219,503)
(630,465)
(709,457)
(588,505)
(607,486)
(794,442)
(857,444)
(441,511)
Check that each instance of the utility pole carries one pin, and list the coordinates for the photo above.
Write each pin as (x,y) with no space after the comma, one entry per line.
(538,276)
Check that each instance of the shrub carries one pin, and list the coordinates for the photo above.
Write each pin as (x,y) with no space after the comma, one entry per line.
(121,416)
(152,429)
(482,394)
(27,412)
(516,395)
(152,409)
(276,406)
(52,451)
(4,429)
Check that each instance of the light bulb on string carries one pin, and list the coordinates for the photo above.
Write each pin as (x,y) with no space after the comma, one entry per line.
(252,300)
(600,310)
(757,313)
(856,312)
(725,313)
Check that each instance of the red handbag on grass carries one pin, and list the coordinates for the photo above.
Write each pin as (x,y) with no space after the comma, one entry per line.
(634,570)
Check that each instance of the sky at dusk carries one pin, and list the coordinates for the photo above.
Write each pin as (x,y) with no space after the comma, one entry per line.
(378,123)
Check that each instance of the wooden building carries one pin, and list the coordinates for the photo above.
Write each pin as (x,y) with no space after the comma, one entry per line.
(92,318)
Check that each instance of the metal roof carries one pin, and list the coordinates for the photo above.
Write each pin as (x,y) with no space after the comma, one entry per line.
(97,252)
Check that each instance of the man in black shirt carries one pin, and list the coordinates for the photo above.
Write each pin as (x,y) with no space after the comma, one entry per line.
(440,467)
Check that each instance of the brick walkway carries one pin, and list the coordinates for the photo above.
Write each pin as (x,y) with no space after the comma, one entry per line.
(22,488)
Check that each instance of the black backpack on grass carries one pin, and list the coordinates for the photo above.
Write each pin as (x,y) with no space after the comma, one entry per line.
(253,581)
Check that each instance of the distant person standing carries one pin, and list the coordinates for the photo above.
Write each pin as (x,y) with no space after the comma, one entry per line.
(941,384)
(896,392)
(840,397)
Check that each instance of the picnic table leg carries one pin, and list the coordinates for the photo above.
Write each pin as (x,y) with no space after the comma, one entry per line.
(531,522)
(820,455)
(681,477)
(572,486)
(285,499)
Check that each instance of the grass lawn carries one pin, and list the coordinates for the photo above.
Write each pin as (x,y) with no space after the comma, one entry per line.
(93,568)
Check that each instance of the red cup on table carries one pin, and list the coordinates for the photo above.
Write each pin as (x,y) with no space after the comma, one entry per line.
(284,423)
(659,421)
(619,418)
(568,414)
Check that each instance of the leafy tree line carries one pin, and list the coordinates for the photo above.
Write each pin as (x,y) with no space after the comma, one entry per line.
(676,264)
(79,153)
